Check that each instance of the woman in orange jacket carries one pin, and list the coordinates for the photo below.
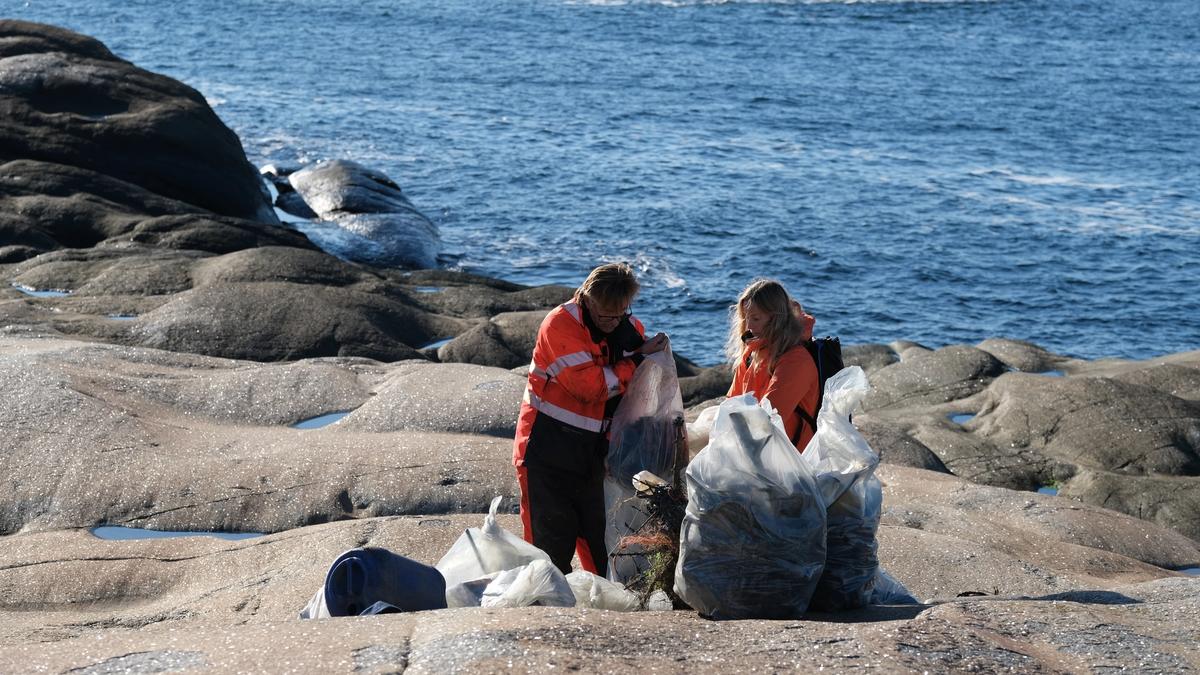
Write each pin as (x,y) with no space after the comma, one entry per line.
(584,357)
(766,345)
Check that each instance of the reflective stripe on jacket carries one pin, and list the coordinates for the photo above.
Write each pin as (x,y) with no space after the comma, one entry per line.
(570,378)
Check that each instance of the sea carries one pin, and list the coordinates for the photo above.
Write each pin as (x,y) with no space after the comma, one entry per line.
(934,171)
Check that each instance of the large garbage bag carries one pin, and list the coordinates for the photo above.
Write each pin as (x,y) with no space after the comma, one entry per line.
(538,583)
(479,552)
(642,433)
(642,438)
(373,581)
(752,543)
(844,466)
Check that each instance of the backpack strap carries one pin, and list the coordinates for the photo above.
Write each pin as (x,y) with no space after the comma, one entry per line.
(805,418)
(814,347)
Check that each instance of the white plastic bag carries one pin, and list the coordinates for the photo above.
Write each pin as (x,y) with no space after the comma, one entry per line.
(469,593)
(538,583)
(698,431)
(479,552)
(844,466)
(838,453)
(597,592)
(752,543)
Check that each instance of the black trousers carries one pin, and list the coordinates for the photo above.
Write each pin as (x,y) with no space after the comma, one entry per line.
(566,509)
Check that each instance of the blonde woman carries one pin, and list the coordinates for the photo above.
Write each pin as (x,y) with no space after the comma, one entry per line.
(767,333)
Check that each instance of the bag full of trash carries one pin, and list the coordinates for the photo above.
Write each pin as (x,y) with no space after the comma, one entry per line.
(643,438)
(752,545)
(642,433)
(538,583)
(479,552)
(843,465)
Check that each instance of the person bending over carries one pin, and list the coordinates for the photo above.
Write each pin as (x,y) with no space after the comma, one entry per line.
(766,347)
(585,355)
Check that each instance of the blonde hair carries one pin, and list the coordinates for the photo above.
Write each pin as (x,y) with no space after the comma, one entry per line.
(783,331)
(612,285)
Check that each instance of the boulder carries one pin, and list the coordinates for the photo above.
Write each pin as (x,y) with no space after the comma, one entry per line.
(895,446)
(270,321)
(927,378)
(373,221)
(1168,501)
(1021,355)
(46,206)
(65,99)
(1097,423)
(503,341)
(869,357)
(710,383)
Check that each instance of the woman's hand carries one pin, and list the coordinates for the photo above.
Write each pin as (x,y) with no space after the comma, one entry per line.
(655,344)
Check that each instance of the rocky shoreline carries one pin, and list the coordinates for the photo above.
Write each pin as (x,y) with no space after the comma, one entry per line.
(161,330)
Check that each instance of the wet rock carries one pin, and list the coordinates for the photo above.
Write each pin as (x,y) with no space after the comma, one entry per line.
(869,357)
(895,446)
(504,341)
(47,206)
(1094,422)
(927,378)
(270,321)
(1169,501)
(1021,355)
(384,228)
(67,100)
(710,383)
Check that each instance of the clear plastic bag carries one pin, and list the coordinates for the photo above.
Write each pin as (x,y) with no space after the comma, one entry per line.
(642,434)
(597,592)
(479,552)
(887,591)
(844,466)
(752,543)
(698,431)
(469,593)
(642,438)
(538,583)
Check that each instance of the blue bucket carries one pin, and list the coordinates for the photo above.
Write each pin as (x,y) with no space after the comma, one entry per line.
(362,577)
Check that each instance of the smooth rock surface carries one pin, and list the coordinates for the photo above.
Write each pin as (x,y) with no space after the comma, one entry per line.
(384,228)
(97,434)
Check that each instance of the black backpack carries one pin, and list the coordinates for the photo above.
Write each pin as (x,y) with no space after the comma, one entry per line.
(826,352)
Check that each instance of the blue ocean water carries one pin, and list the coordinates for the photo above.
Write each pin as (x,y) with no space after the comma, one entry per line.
(933,171)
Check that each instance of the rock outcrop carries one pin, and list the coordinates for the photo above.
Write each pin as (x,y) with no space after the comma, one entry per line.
(364,216)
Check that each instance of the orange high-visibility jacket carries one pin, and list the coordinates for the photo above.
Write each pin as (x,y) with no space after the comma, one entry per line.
(795,382)
(571,378)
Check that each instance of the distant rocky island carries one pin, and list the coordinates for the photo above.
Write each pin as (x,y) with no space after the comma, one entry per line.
(162,330)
